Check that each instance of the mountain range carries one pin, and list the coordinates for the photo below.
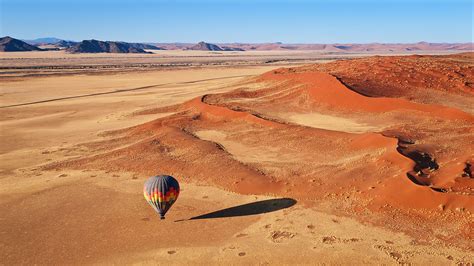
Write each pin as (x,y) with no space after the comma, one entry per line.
(95,46)
(351,47)
(8,44)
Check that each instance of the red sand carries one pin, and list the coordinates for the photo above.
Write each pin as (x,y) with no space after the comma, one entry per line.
(445,80)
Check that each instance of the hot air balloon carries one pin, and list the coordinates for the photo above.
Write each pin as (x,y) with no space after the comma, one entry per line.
(161,192)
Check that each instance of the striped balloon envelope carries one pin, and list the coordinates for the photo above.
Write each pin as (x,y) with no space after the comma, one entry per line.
(161,192)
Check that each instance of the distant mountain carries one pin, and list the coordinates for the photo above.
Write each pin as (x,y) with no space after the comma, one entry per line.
(145,46)
(59,43)
(174,46)
(43,41)
(95,46)
(227,48)
(204,46)
(51,43)
(65,44)
(9,44)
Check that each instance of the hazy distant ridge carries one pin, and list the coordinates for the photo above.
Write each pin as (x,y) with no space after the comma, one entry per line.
(95,46)
(351,47)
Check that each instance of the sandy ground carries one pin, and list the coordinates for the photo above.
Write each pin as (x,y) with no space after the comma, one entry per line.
(67,215)
(331,122)
(20,64)
(83,217)
(42,126)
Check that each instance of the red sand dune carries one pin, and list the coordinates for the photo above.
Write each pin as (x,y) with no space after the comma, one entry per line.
(326,89)
(412,162)
(447,80)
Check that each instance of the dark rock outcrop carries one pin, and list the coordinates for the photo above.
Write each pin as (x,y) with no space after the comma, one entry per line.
(9,44)
(204,46)
(95,46)
(65,44)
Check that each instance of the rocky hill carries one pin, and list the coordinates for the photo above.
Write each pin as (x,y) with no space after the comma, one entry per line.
(9,44)
(146,46)
(65,44)
(204,46)
(95,46)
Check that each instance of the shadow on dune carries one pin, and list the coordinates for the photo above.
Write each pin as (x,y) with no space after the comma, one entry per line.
(253,208)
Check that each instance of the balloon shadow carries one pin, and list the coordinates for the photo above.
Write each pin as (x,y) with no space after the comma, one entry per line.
(253,208)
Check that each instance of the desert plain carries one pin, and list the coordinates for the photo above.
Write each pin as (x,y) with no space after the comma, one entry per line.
(283,158)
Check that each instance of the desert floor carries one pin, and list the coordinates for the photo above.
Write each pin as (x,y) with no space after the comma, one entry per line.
(57,209)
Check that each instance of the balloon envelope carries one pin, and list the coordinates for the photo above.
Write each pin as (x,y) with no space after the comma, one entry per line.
(161,192)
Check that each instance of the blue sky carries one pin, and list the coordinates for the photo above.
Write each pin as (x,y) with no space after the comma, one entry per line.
(297,21)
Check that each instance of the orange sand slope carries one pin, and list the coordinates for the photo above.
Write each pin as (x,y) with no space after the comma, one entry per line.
(302,133)
(446,80)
